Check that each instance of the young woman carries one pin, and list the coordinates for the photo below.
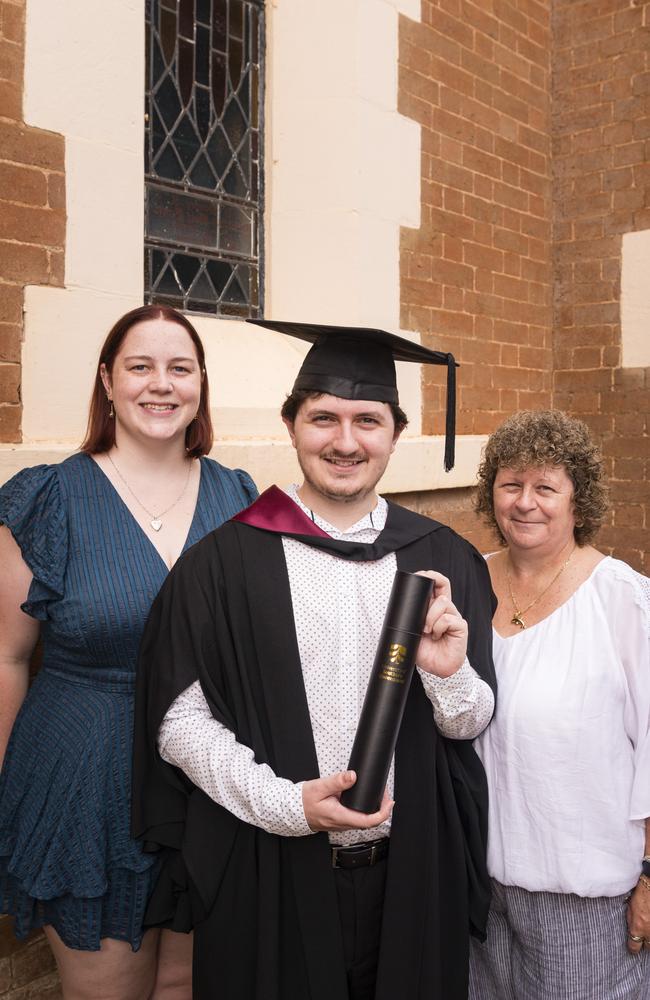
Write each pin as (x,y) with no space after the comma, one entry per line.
(85,546)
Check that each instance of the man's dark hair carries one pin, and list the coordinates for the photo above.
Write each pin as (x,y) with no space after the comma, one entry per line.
(295,399)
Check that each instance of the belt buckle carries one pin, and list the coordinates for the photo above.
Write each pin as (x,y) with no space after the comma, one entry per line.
(373,852)
(335,852)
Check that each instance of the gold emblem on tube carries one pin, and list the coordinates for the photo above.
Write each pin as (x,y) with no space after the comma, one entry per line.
(392,669)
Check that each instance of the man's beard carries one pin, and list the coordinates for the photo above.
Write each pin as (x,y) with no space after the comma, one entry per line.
(341,495)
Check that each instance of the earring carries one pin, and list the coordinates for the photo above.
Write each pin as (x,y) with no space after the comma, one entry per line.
(111,412)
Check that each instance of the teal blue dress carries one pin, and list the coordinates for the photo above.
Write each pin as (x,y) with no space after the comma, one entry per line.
(66,857)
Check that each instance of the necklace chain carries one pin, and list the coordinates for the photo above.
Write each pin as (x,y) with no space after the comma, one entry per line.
(156,519)
(518,617)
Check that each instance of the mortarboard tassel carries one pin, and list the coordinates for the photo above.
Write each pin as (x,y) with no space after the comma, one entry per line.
(450,423)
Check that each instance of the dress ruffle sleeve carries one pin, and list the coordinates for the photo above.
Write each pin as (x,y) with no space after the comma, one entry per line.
(32,507)
(247,485)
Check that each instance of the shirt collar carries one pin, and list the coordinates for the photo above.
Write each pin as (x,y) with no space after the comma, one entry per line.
(373,522)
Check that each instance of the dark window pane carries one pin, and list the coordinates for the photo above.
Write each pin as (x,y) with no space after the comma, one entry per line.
(219,81)
(219,151)
(185,69)
(158,62)
(235,61)
(236,19)
(202,151)
(203,11)
(203,106)
(158,133)
(234,183)
(166,101)
(157,259)
(168,34)
(254,37)
(220,272)
(176,217)
(202,176)
(202,288)
(220,25)
(235,231)
(234,123)
(235,293)
(186,269)
(168,285)
(186,18)
(168,165)
(202,55)
(244,157)
(244,94)
(186,141)
(255,101)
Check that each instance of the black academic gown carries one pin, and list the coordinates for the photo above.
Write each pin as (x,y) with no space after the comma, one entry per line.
(263,907)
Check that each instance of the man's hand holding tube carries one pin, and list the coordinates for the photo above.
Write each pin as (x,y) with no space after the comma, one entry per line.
(323,811)
(443,646)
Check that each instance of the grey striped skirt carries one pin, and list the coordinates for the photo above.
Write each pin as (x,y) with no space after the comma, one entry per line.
(556,946)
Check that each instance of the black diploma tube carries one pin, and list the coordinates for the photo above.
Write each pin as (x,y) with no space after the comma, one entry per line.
(383,706)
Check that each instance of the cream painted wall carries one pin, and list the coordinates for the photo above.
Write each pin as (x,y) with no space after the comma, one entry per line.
(635,299)
(342,177)
(417,463)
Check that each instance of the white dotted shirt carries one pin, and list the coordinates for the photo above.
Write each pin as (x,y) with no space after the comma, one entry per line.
(339,607)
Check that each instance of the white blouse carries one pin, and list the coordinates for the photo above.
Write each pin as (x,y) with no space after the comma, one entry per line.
(567,755)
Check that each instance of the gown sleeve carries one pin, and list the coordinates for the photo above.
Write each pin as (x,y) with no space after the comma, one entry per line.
(473,596)
(177,644)
(184,639)
(32,507)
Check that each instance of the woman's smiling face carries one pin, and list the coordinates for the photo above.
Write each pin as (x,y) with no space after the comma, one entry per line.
(534,507)
(155,383)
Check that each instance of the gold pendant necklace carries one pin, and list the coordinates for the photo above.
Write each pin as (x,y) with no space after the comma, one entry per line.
(518,617)
(156,519)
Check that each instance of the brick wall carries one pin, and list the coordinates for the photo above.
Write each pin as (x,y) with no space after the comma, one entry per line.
(476,277)
(32,211)
(452,507)
(526,191)
(601,126)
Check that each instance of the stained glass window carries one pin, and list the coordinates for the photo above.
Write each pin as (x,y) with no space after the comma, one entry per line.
(203,147)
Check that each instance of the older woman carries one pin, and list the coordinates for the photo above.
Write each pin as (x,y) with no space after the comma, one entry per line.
(567,755)
(84,549)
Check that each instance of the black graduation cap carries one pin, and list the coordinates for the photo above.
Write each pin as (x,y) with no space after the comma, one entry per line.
(357,362)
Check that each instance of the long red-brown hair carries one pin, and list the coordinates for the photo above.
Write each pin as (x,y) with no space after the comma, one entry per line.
(100,433)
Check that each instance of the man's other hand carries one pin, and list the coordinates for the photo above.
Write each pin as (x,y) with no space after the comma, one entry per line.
(323,810)
(443,645)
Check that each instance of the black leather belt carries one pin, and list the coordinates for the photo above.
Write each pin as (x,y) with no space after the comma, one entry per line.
(360,855)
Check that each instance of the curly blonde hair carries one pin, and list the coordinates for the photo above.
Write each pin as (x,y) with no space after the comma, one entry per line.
(546,437)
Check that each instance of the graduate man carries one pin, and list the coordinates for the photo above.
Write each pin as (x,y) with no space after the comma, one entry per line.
(253,672)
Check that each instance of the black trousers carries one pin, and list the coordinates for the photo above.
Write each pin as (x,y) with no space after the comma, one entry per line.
(361,903)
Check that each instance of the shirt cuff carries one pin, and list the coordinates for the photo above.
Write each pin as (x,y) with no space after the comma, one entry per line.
(462,703)
(295,812)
